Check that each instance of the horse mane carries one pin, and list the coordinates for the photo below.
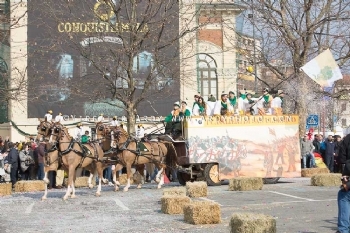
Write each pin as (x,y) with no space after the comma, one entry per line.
(66,132)
(124,132)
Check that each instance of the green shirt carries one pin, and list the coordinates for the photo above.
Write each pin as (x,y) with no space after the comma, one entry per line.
(233,101)
(84,139)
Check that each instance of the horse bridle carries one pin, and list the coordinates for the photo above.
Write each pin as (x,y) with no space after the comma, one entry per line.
(46,127)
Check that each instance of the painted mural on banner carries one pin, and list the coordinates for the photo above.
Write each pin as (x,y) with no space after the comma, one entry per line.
(256,146)
(77,59)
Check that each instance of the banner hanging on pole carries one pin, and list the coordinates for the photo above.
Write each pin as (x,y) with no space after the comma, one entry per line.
(323,69)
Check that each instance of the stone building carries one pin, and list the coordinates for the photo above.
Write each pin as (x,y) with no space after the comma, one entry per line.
(213,56)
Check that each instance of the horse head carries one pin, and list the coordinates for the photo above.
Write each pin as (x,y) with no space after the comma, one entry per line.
(102,131)
(120,135)
(57,132)
(44,130)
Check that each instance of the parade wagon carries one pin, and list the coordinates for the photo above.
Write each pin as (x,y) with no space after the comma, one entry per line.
(216,149)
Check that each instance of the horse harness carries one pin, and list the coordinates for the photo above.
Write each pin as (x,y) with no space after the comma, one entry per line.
(139,153)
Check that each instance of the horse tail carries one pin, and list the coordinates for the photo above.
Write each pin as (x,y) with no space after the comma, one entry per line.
(171,155)
(150,168)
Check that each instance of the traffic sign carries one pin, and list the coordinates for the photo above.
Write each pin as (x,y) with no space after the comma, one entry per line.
(312,120)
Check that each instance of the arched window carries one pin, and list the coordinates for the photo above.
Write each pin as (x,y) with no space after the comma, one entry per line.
(207,76)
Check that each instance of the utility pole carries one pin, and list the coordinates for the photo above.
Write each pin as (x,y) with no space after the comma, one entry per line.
(251,16)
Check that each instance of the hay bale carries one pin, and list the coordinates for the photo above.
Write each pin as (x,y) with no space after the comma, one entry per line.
(5,189)
(309,172)
(177,191)
(173,204)
(197,189)
(331,179)
(245,184)
(202,212)
(252,222)
(81,181)
(30,186)
(123,179)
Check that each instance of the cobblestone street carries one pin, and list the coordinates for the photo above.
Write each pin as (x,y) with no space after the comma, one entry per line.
(297,207)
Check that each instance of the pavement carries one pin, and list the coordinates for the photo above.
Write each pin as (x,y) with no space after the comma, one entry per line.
(296,206)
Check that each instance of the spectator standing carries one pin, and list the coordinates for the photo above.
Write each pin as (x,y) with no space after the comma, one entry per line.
(343,198)
(26,162)
(307,148)
(13,160)
(329,152)
(41,156)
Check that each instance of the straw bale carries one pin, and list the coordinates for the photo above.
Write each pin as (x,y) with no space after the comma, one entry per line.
(309,172)
(81,181)
(30,186)
(202,212)
(173,204)
(179,191)
(197,189)
(123,179)
(5,189)
(252,223)
(331,179)
(245,184)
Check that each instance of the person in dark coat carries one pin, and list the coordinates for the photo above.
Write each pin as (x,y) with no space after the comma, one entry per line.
(329,152)
(343,198)
(13,159)
(41,156)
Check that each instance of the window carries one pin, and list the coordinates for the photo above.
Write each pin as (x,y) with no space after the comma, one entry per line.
(343,107)
(207,76)
(343,122)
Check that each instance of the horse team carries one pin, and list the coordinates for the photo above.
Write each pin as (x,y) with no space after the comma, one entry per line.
(113,145)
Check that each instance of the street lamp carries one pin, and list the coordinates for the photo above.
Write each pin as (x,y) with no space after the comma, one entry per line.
(251,16)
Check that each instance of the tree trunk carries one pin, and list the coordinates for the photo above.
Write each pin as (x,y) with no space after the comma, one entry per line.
(131,119)
(302,106)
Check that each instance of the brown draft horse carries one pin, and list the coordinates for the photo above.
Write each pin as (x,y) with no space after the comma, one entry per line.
(162,154)
(52,158)
(74,155)
(103,133)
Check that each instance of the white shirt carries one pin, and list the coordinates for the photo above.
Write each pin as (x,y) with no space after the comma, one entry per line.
(140,132)
(217,107)
(78,132)
(59,118)
(48,117)
(276,102)
(115,123)
(195,110)
(240,104)
(100,119)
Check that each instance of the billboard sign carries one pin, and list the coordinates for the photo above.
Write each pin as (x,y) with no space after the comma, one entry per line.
(252,146)
(83,59)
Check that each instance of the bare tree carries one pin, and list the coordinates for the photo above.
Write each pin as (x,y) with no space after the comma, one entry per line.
(12,87)
(297,31)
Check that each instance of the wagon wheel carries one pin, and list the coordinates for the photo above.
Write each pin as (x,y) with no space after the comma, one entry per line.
(183,177)
(211,173)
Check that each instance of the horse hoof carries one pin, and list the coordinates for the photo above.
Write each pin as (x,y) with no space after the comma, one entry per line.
(43,198)
(159,187)
(138,186)
(91,186)
(65,198)
(125,189)
(46,181)
(116,189)
(98,194)
(73,196)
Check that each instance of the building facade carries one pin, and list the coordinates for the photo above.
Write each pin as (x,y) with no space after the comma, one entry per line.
(211,59)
